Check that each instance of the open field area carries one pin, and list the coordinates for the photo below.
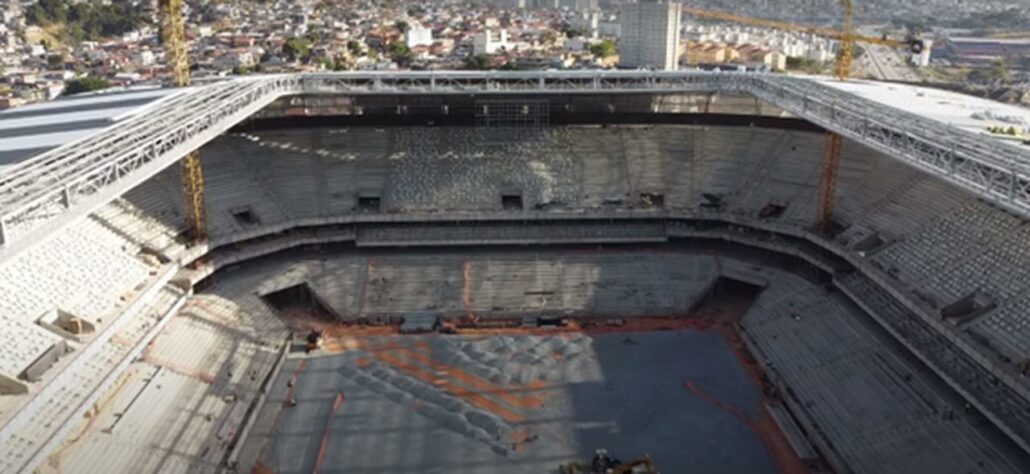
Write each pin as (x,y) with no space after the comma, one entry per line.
(512,404)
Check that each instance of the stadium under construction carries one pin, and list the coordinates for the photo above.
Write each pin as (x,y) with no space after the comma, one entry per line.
(514,272)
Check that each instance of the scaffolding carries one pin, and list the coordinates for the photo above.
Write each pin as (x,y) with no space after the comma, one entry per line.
(507,122)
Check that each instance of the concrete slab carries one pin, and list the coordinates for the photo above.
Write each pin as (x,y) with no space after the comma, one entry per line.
(511,404)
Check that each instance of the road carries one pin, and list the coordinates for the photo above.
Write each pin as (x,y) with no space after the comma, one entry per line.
(885,63)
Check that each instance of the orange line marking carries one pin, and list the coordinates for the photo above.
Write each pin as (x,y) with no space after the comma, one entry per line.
(261,468)
(324,448)
(767,432)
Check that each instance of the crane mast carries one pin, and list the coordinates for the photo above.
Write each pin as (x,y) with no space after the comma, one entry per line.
(173,36)
(831,160)
(841,70)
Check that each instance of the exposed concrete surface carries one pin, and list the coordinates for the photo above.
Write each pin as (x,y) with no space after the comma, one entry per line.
(510,404)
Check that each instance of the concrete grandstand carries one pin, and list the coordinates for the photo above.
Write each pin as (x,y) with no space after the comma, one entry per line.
(899,342)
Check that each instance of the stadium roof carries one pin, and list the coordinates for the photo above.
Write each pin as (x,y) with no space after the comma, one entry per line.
(32,130)
(35,129)
(41,194)
(958,110)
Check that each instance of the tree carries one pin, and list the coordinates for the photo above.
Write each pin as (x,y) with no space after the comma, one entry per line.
(1013,19)
(297,49)
(997,73)
(55,60)
(573,32)
(603,49)
(85,84)
(400,53)
(796,63)
(402,26)
(1000,72)
(37,15)
(88,20)
(549,38)
(479,62)
(354,47)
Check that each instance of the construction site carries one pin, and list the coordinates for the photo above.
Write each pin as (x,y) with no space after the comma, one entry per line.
(518,284)
(497,384)
(515,272)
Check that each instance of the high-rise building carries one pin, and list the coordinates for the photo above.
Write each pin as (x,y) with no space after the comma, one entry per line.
(650,34)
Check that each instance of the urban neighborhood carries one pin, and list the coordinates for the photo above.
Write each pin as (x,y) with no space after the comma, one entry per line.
(50,48)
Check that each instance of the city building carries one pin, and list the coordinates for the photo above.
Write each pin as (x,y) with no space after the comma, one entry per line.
(701,53)
(490,41)
(418,35)
(985,50)
(650,34)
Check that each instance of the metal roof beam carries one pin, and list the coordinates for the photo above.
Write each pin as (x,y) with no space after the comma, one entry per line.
(42,195)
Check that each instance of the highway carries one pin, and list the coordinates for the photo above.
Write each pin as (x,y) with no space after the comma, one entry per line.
(888,64)
(885,63)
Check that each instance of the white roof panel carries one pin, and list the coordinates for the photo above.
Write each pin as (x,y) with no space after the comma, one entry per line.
(29,131)
(14,123)
(97,100)
(47,140)
(971,113)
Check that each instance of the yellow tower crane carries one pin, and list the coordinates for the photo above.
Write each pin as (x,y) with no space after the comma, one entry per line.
(842,70)
(173,36)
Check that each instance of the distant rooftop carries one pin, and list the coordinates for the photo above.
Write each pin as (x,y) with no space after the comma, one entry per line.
(34,129)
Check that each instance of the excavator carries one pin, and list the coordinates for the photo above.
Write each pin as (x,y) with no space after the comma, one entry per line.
(604,463)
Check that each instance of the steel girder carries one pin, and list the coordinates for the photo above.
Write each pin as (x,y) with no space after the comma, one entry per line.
(997,172)
(537,82)
(40,196)
(48,192)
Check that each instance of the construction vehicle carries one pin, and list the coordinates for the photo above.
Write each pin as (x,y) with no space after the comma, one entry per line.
(604,463)
(841,70)
(314,341)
